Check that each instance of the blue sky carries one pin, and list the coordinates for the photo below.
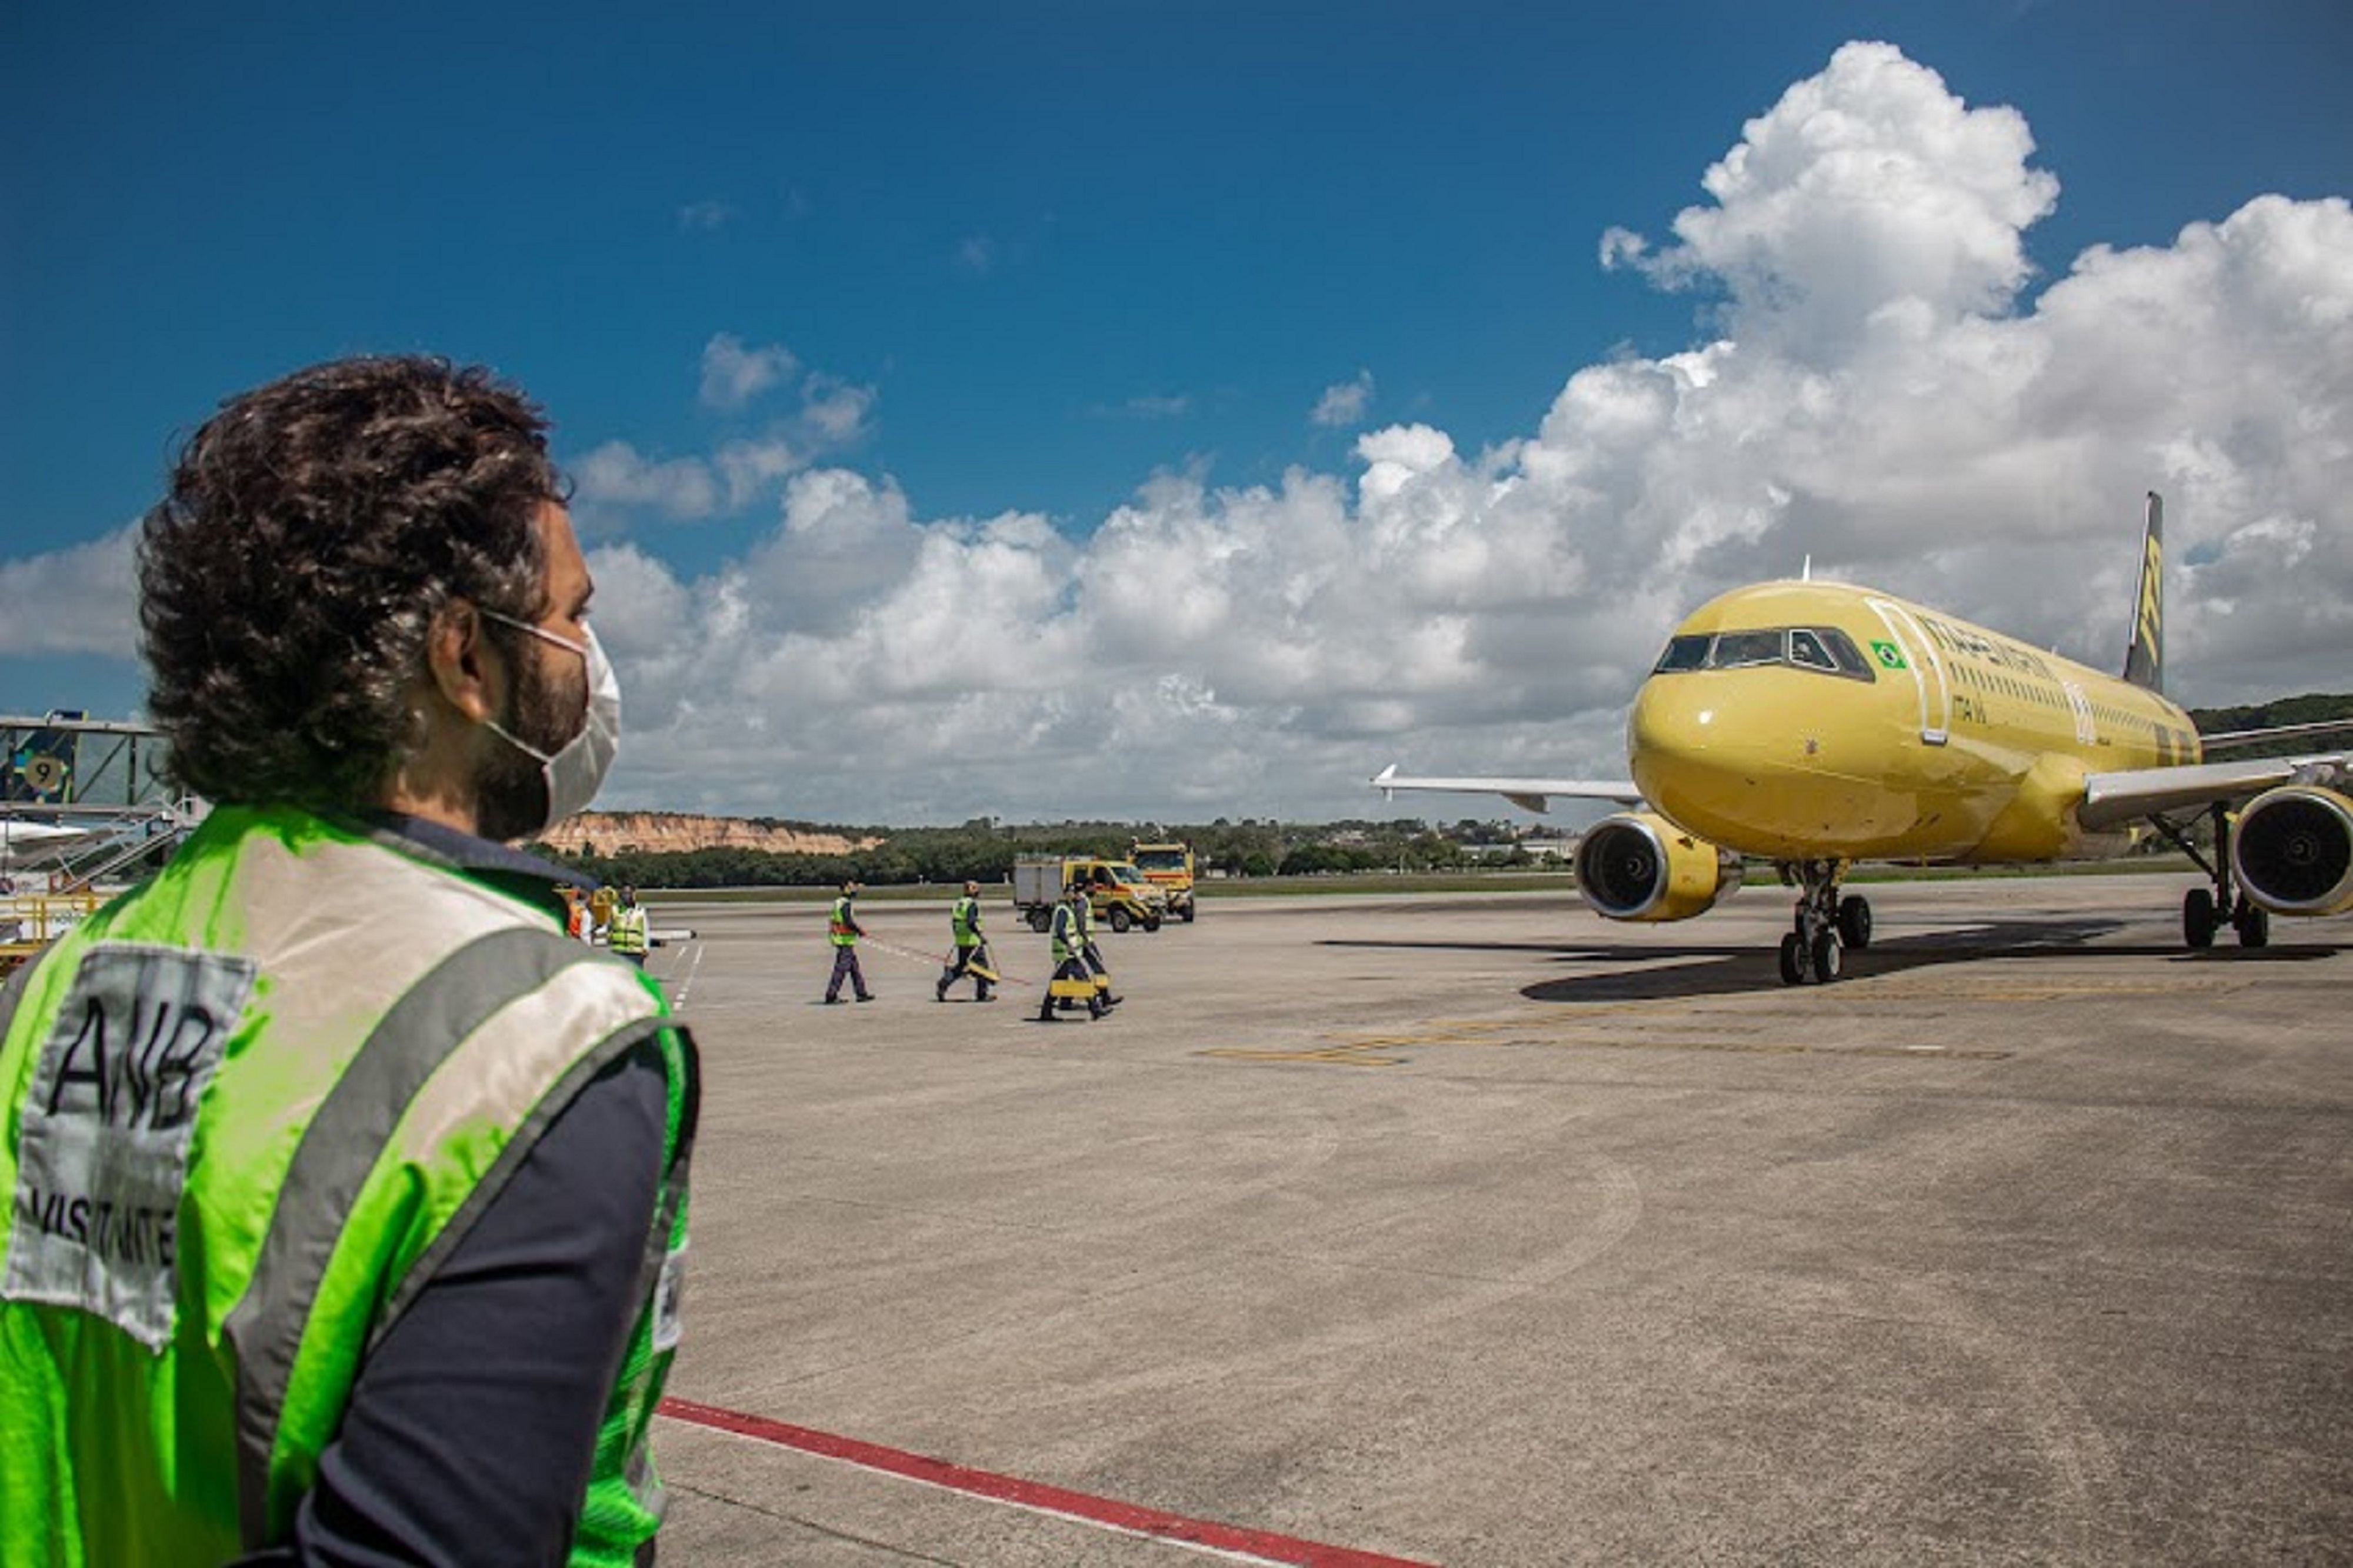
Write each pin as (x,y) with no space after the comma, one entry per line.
(820,295)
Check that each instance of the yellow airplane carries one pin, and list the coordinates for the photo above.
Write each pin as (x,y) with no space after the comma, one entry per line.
(1816,724)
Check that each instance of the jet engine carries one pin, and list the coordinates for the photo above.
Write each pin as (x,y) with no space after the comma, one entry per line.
(2294,850)
(1640,866)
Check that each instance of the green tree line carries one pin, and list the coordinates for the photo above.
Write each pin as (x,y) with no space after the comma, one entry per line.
(984,851)
(2314,708)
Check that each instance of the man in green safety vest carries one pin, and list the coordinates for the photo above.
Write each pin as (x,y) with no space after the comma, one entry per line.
(626,933)
(1092,955)
(333,1236)
(1073,979)
(970,954)
(841,928)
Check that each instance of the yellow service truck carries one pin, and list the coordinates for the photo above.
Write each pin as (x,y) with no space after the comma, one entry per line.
(1116,891)
(1169,867)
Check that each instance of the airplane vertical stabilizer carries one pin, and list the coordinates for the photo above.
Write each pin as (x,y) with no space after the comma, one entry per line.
(2144,659)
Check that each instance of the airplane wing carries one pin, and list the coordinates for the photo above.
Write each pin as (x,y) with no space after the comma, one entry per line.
(1528,794)
(27,846)
(2110,800)
(2234,740)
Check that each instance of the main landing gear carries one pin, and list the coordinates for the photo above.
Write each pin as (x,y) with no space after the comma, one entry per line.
(1825,923)
(2205,912)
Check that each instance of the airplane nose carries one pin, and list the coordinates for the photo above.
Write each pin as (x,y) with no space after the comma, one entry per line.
(1675,720)
(1698,757)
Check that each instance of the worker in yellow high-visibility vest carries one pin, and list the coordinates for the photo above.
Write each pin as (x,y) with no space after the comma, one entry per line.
(842,929)
(626,933)
(969,948)
(335,1237)
(1073,981)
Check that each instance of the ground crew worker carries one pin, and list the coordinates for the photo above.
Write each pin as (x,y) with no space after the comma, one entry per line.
(364,1244)
(1091,954)
(970,955)
(843,931)
(1068,934)
(601,905)
(626,933)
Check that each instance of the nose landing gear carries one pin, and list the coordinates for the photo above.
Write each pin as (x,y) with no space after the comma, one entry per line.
(1825,924)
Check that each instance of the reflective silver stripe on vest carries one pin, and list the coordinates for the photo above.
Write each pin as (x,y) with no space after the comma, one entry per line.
(338,1150)
(528,1131)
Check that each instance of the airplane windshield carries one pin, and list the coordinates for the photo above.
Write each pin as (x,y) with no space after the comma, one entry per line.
(1825,650)
(1736,650)
(1683,653)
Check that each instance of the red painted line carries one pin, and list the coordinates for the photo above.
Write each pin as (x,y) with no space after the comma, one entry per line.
(1081,1506)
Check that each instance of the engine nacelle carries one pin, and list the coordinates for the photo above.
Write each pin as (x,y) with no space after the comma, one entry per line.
(2292,850)
(1640,866)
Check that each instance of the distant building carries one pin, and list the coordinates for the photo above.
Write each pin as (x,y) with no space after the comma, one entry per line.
(1559,851)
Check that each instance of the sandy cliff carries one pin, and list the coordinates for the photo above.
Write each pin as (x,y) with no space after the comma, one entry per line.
(658,832)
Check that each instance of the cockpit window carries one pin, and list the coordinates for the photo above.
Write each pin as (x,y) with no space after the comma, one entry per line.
(1806,652)
(1736,650)
(1682,653)
(1843,653)
(1825,649)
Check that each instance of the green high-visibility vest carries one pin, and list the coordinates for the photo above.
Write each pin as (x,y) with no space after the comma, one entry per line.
(963,921)
(626,933)
(1068,936)
(842,928)
(248,1117)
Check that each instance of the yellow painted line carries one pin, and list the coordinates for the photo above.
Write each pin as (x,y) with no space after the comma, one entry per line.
(1385,1050)
(2012,988)
(1788,1048)
(1343,1056)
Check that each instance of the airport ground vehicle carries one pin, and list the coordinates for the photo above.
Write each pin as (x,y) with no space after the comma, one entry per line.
(1116,890)
(1169,867)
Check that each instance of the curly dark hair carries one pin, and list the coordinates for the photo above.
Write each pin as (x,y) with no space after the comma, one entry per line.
(312,530)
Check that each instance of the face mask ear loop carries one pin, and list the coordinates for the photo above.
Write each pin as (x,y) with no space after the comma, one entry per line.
(500,730)
(542,633)
(525,747)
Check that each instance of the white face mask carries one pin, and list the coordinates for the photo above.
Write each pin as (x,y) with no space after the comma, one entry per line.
(576,771)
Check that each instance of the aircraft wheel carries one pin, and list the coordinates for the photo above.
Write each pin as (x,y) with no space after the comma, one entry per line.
(2198,918)
(1826,957)
(2254,925)
(1793,961)
(1120,921)
(1854,921)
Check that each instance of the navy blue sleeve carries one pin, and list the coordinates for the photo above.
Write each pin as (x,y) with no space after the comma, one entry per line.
(472,1428)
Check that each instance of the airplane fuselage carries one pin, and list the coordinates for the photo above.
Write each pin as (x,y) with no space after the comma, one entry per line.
(1800,720)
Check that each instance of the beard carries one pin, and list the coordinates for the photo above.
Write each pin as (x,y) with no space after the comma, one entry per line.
(511,796)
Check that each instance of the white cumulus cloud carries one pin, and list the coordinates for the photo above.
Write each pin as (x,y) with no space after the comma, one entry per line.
(614,482)
(733,374)
(1344,402)
(79,600)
